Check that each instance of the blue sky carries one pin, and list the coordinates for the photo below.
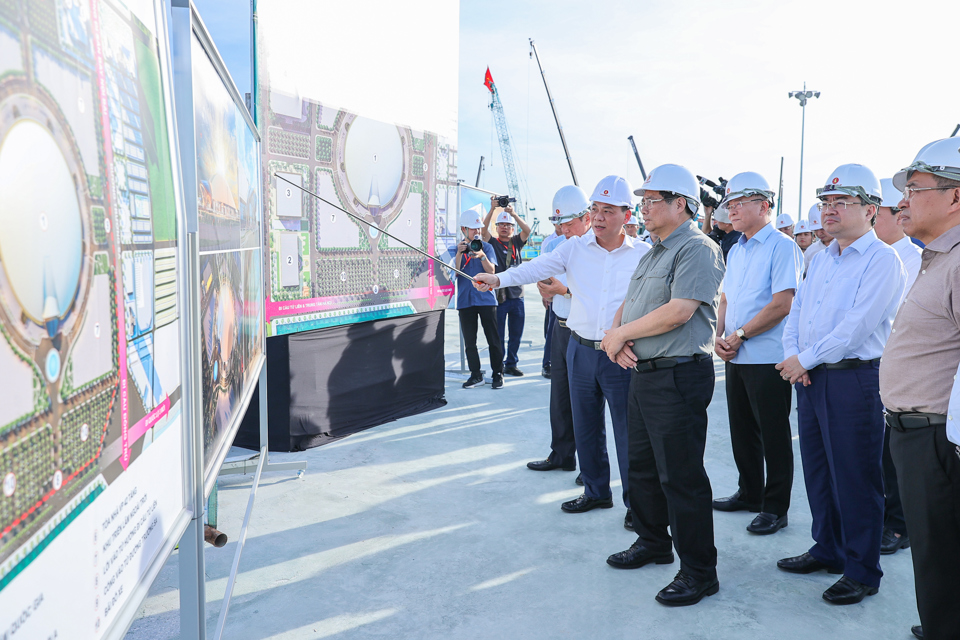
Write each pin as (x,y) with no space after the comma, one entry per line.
(699,83)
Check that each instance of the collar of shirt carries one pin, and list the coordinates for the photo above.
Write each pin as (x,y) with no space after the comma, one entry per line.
(685,229)
(760,236)
(947,240)
(591,238)
(859,245)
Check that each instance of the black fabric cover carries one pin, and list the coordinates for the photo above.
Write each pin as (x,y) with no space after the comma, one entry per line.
(326,384)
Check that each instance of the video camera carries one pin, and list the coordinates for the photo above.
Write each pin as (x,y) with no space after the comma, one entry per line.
(504,201)
(706,197)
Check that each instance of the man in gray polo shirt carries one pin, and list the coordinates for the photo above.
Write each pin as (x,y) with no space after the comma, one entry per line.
(665,331)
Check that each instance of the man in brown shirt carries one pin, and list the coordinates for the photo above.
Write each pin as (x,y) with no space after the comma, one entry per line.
(916,377)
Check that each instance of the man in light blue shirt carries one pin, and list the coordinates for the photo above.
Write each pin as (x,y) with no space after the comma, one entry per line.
(764,270)
(834,337)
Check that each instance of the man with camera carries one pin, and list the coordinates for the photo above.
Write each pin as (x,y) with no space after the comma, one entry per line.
(507,247)
(598,266)
(476,306)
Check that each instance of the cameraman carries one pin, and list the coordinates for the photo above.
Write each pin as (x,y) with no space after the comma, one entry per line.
(507,248)
(473,305)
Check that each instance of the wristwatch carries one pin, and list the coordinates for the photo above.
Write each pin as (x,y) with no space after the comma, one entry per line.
(568,295)
(741,334)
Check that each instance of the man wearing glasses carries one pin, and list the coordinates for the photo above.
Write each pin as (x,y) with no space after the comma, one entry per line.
(663,334)
(918,371)
(832,343)
(764,270)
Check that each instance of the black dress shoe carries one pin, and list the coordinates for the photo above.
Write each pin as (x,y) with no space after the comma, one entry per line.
(891,542)
(584,504)
(917,631)
(579,479)
(545,372)
(637,556)
(549,465)
(767,523)
(848,591)
(628,520)
(512,371)
(686,590)
(734,503)
(805,563)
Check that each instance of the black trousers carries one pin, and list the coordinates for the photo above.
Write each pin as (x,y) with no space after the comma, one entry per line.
(667,433)
(928,468)
(563,444)
(892,505)
(487,317)
(758,405)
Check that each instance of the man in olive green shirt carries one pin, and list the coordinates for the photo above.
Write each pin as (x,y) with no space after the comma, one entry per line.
(665,332)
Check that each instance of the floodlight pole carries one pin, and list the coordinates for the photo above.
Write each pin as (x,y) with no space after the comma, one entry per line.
(802,96)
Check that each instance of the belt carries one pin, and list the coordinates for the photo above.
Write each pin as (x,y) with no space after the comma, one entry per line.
(562,322)
(849,363)
(666,363)
(903,420)
(593,344)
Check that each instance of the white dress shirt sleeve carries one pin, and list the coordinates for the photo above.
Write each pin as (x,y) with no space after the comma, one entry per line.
(544,266)
(953,412)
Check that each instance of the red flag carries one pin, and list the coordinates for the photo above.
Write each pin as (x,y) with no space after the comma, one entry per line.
(488,80)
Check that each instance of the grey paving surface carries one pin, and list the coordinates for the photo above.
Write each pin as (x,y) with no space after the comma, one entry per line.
(432,527)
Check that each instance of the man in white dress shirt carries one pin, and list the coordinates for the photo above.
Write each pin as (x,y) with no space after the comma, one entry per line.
(834,337)
(598,266)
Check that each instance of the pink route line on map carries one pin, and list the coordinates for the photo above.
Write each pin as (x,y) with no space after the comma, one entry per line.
(314,305)
(108,158)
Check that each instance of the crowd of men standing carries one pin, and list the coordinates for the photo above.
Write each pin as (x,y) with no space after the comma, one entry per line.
(638,326)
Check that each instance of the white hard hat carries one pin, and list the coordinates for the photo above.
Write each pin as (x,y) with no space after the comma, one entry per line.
(673,178)
(471,219)
(941,158)
(504,217)
(891,195)
(613,190)
(814,216)
(632,222)
(748,183)
(568,203)
(802,227)
(784,220)
(722,214)
(853,180)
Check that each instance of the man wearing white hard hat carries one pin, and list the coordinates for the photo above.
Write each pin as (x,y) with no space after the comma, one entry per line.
(802,234)
(785,224)
(835,335)
(475,306)
(663,334)
(823,238)
(917,375)
(632,226)
(571,212)
(723,232)
(764,270)
(510,304)
(598,266)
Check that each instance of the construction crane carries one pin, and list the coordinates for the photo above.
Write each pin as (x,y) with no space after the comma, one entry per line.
(506,148)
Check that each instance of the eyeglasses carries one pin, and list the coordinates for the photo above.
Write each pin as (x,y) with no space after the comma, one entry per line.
(909,191)
(735,206)
(841,205)
(646,202)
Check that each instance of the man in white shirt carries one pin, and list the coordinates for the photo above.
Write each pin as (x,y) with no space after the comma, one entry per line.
(598,267)
(823,238)
(890,230)
(832,343)
(785,224)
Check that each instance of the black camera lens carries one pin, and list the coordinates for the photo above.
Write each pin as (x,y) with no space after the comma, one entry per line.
(504,201)
(476,245)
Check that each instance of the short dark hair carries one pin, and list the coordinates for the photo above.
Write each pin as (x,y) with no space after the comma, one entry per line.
(946,182)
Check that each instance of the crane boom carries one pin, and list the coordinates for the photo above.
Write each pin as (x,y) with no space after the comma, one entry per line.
(506,148)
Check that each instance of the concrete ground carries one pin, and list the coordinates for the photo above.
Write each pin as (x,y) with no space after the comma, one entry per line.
(433,527)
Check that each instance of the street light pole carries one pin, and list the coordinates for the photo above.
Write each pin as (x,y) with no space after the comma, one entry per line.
(802,96)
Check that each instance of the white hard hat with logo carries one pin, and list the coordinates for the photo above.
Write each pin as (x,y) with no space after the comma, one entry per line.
(745,184)
(814,216)
(568,203)
(471,219)
(673,178)
(891,195)
(853,180)
(504,218)
(722,214)
(802,227)
(941,158)
(613,190)
(784,220)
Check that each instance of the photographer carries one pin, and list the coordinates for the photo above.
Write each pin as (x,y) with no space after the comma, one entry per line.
(507,248)
(473,305)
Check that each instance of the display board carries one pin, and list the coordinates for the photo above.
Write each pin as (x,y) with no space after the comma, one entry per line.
(91,435)
(325,268)
(225,146)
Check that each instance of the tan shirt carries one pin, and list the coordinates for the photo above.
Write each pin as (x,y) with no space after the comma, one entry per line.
(922,354)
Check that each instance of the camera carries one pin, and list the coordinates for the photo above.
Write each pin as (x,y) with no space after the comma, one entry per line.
(504,201)
(476,245)
(706,197)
